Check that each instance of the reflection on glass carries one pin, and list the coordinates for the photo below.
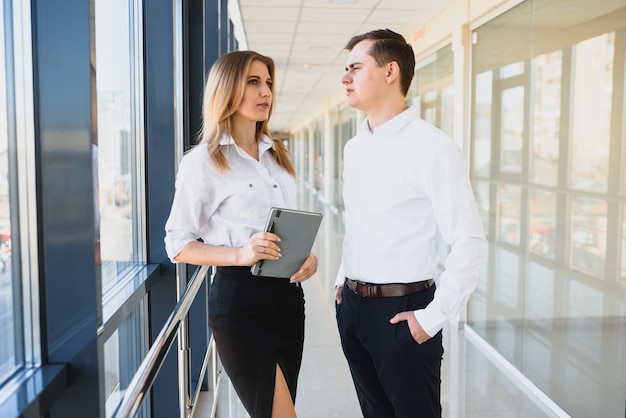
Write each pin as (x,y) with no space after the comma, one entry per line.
(588,226)
(347,129)
(447,110)
(570,274)
(116,140)
(307,156)
(507,267)
(542,239)
(511,70)
(511,130)
(544,159)
(432,89)
(591,122)
(623,259)
(122,356)
(9,353)
(318,158)
(482,123)
(481,193)
(540,292)
(509,220)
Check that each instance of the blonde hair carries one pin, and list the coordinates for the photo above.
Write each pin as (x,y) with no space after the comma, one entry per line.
(222,96)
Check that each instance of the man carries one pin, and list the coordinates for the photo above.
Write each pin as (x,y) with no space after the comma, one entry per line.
(405,184)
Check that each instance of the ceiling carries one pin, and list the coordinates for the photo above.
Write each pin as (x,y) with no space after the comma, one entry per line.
(306,39)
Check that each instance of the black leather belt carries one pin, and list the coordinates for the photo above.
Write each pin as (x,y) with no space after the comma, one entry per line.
(373,290)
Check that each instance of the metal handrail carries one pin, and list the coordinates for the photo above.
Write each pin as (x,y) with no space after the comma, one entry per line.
(150,366)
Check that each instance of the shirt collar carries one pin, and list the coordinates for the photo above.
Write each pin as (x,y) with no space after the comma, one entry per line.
(393,125)
(264,143)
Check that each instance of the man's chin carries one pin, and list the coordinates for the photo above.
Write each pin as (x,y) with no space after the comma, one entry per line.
(353,103)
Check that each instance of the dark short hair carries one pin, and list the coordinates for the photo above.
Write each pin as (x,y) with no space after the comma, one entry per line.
(390,46)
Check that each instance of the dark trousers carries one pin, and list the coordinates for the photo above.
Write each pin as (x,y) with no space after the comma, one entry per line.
(394,376)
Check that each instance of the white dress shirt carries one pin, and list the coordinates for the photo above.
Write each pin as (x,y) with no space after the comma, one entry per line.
(225,209)
(405,185)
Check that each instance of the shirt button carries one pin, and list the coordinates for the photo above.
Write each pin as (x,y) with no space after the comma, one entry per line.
(275,186)
(250,185)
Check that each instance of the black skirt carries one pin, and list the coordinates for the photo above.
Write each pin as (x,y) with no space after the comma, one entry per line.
(257,323)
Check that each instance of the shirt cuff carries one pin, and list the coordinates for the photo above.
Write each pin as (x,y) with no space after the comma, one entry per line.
(341,278)
(431,319)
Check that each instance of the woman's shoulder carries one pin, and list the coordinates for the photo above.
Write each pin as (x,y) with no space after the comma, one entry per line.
(196,159)
(197,151)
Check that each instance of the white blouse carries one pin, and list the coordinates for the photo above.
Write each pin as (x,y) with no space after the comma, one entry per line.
(405,185)
(226,209)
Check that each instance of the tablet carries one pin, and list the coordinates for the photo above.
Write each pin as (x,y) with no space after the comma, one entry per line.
(297,231)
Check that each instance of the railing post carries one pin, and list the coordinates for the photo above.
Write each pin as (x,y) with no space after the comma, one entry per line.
(184,352)
(184,379)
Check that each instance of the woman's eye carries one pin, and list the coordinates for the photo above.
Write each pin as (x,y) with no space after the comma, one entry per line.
(253,81)
(270,84)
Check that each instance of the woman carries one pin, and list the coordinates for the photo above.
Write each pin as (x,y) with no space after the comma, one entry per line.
(225,188)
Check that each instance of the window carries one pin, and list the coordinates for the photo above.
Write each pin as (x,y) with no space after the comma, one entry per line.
(119,138)
(10,351)
(19,345)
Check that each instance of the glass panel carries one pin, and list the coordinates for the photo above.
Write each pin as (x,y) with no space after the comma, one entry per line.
(347,128)
(542,238)
(307,156)
(10,345)
(482,123)
(509,207)
(623,258)
(123,353)
(511,70)
(588,247)
(318,158)
(555,307)
(511,131)
(591,119)
(447,110)
(116,142)
(482,195)
(546,117)
(432,89)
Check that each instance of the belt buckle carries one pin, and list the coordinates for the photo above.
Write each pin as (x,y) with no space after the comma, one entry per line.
(353,285)
(372,290)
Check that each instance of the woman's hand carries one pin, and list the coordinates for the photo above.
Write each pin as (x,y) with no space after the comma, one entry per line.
(262,246)
(308,269)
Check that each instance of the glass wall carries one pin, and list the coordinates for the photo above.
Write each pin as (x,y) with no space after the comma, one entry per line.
(432,89)
(318,157)
(345,129)
(11,345)
(548,163)
(432,92)
(117,142)
(123,353)
(118,167)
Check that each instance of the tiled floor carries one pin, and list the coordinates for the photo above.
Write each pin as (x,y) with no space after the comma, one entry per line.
(473,385)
